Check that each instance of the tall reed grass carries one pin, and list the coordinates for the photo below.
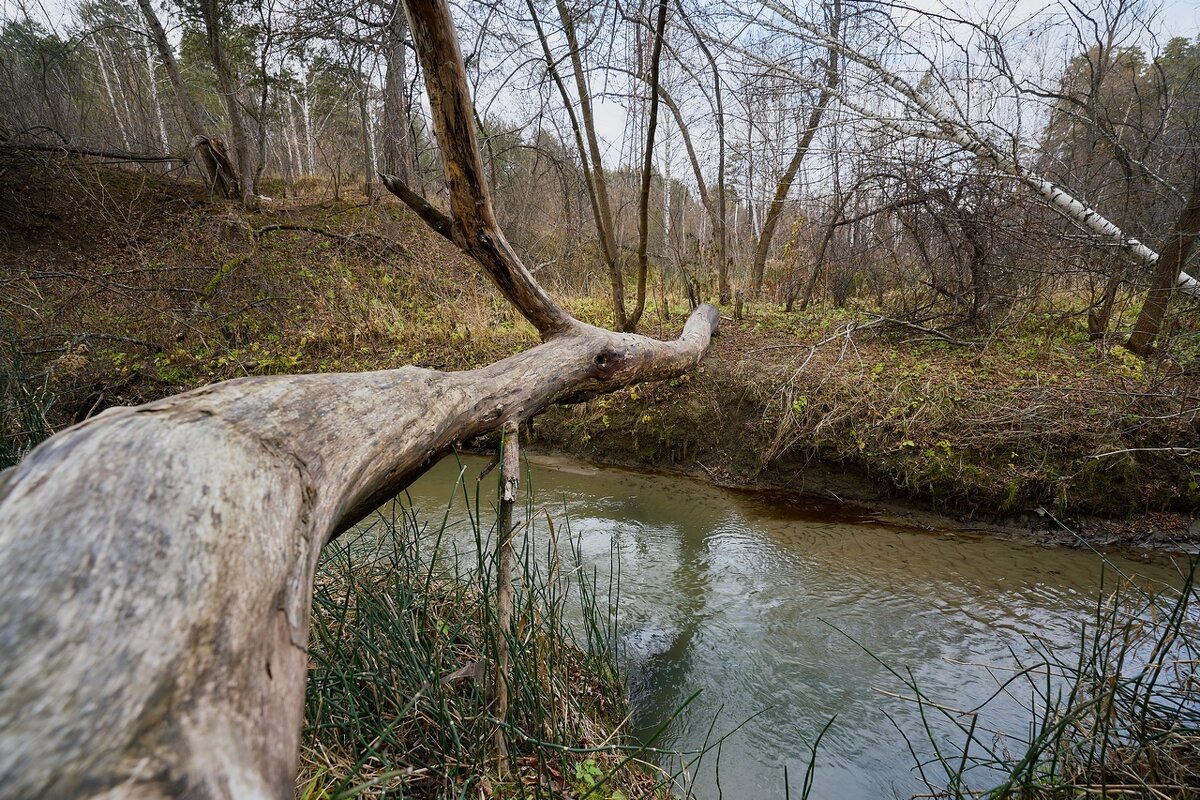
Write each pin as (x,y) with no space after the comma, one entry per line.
(24,404)
(403,630)
(1117,716)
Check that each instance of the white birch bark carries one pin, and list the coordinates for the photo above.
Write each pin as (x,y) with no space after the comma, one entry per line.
(292,137)
(112,98)
(666,209)
(306,110)
(373,131)
(122,91)
(152,72)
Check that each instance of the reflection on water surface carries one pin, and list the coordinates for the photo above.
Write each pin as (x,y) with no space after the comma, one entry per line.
(763,605)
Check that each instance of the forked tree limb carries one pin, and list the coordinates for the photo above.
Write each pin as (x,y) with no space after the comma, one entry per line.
(156,562)
(473,221)
(438,221)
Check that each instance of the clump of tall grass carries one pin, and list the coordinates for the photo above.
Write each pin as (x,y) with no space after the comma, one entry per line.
(24,404)
(399,694)
(1117,717)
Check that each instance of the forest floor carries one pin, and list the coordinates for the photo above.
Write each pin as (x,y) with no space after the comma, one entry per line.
(122,287)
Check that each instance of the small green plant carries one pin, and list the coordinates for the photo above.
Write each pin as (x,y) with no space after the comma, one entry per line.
(588,773)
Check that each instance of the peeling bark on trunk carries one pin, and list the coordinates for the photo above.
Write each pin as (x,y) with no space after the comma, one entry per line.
(510,482)
(222,177)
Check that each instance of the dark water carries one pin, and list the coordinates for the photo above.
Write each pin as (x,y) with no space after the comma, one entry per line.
(770,607)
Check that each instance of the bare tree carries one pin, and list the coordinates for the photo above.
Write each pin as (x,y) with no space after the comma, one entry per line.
(784,186)
(158,561)
(721,217)
(648,169)
(215,35)
(918,115)
(583,127)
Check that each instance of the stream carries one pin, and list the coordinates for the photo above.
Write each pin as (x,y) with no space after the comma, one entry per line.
(783,613)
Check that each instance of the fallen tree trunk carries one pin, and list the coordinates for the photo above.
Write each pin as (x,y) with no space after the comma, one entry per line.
(157,562)
(70,150)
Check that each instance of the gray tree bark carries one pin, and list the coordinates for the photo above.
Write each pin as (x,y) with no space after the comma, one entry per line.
(1170,265)
(229,94)
(399,156)
(157,561)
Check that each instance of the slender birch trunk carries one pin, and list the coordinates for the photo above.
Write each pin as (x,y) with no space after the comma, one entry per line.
(152,73)
(112,99)
(306,110)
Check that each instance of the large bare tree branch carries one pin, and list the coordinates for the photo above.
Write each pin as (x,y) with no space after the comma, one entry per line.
(157,562)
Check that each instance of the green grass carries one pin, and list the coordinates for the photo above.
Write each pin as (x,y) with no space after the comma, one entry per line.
(24,405)
(403,635)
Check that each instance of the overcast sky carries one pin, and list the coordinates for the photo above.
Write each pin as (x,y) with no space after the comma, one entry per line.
(1175,18)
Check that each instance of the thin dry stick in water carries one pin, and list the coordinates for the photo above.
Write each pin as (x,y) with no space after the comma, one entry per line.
(510,472)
